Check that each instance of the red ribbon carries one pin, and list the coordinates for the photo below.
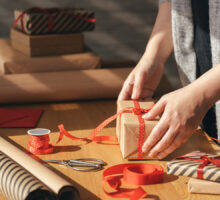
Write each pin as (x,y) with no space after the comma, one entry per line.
(133,173)
(50,21)
(40,144)
(135,110)
(205,160)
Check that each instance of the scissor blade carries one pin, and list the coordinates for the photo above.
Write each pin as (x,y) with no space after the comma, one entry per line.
(54,161)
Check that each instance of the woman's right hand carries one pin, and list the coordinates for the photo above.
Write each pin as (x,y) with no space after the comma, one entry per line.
(142,81)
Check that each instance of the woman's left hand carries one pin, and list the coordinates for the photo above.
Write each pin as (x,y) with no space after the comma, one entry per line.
(182,111)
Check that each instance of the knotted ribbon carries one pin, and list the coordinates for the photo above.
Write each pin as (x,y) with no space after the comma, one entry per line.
(48,11)
(136,110)
(205,160)
(133,173)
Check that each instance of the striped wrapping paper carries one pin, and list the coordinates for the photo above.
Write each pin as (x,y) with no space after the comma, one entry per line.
(71,20)
(188,168)
(18,184)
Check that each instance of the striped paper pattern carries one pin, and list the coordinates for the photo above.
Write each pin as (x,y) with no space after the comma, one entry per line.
(66,21)
(189,168)
(18,184)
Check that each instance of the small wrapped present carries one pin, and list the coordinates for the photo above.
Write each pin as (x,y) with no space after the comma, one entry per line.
(36,21)
(203,186)
(47,45)
(197,165)
(131,129)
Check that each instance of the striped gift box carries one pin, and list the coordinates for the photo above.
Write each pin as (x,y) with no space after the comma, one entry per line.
(188,165)
(37,21)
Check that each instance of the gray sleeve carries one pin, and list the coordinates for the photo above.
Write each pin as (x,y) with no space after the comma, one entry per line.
(161,1)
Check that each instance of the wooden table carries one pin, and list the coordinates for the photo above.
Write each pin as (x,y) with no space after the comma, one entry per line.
(79,119)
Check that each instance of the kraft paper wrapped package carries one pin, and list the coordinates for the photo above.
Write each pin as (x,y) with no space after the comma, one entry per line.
(190,165)
(47,45)
(23,178)
(203,186)
(127,129)
(36,21)
(14,62)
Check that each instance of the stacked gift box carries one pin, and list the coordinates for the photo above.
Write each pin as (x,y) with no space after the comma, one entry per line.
(48,40)
(203,168)
(46,59)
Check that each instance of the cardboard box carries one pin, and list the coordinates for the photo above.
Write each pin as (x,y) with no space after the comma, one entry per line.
(186,167)
(128,130)
(14,62)
(47,45)
(37,21)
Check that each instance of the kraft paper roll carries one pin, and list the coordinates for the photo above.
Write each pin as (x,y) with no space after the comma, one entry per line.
(22,177)
(59,86)
(203,186)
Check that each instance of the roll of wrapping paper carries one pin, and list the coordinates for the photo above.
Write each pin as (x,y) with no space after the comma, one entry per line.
(23,178)
(59,86)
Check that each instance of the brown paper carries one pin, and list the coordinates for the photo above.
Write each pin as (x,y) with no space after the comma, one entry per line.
(129,130)
(13,62)
(203,186)
(59,86)
(31,172)
(184,167)
(47,45)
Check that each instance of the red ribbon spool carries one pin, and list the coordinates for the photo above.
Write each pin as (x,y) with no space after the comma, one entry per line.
(133,173)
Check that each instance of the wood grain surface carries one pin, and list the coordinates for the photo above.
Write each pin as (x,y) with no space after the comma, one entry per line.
(79,119)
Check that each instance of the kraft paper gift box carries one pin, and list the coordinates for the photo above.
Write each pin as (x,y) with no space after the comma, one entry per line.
(47,45)
(203,186)
(190,165)
(14,62)
(36,21)
(127,129)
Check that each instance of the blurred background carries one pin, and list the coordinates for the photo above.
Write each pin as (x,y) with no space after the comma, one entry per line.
(122,29)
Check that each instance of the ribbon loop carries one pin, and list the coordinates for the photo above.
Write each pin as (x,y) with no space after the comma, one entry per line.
(133,173)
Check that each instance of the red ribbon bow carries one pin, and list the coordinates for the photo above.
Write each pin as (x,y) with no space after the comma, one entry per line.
(205,160)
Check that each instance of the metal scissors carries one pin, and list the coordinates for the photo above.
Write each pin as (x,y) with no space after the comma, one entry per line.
(81,164)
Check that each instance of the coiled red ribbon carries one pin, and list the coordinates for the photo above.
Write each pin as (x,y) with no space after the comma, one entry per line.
(133,173)
(48,11)
(205,160)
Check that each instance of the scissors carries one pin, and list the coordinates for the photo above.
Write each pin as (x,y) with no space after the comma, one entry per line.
(82,164)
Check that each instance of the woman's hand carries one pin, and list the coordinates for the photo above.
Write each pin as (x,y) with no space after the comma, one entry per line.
(142,81)
(182,111)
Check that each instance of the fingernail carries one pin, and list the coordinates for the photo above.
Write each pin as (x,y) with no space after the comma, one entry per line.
(145,116)
(150,154)
(134,95)
(160,156)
